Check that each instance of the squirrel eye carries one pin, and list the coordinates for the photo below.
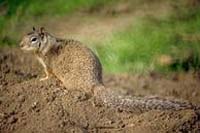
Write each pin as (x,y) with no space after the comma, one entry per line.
(33,39)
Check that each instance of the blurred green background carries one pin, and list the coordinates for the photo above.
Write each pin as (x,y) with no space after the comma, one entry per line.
(129,36)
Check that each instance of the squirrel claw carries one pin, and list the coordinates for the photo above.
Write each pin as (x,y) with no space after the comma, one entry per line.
(45,78)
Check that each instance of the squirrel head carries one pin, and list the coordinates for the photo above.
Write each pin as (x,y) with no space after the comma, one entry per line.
(33,40)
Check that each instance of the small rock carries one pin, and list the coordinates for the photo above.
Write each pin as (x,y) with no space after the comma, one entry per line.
(109,122)
(12,120)
(34,105)
(5,83)
(50,99)
(21,99)
(56,90)
(2,115)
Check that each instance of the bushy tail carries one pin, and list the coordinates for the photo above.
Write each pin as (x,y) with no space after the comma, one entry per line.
(137,104)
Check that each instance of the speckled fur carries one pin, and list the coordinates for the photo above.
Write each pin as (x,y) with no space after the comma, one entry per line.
(77,67)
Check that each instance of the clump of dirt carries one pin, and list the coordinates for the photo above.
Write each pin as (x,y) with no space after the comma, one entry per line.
(28,105)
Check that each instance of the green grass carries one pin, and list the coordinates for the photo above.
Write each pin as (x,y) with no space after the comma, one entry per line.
(50,7)
(138,48)
(61,7)
(17,13)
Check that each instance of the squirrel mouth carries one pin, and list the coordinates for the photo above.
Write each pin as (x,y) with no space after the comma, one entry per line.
(27,48)
(24,48)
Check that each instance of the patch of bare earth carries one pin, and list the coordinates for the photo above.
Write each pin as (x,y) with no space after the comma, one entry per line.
(28,105)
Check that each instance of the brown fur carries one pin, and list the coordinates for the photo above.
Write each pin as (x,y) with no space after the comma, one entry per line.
(77,67)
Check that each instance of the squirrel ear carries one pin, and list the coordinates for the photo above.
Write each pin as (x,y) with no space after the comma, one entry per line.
(42,30)
(34,28)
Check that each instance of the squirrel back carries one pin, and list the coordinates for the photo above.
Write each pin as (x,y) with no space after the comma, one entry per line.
(77,67)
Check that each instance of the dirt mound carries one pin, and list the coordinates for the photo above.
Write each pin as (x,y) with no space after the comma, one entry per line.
(28,105)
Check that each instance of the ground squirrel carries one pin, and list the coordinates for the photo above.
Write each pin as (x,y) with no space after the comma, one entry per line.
(76,66)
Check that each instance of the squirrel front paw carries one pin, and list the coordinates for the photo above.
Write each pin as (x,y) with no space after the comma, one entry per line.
(45,78)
